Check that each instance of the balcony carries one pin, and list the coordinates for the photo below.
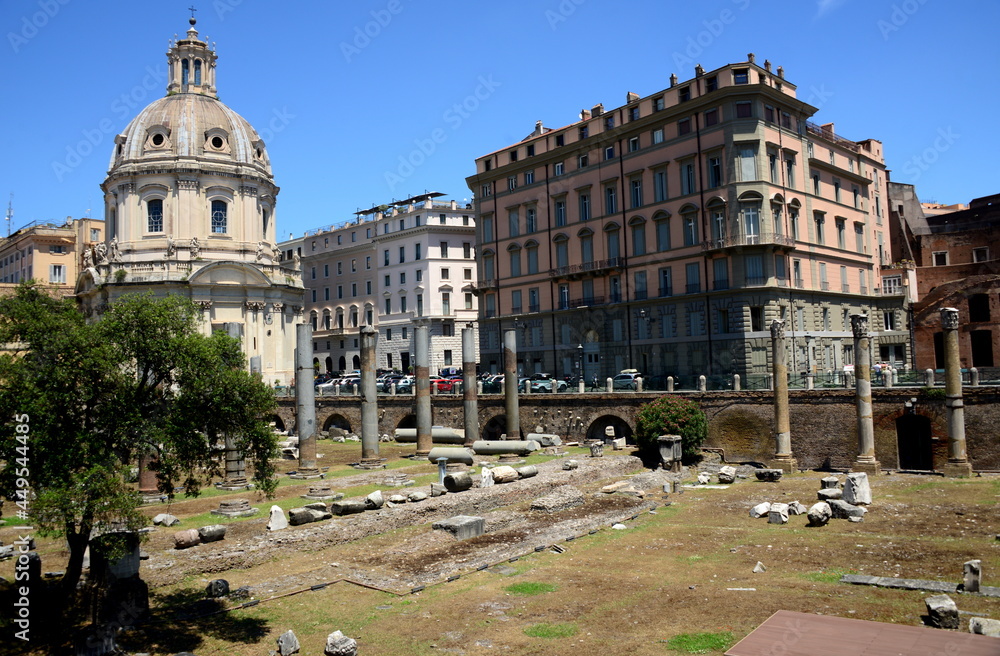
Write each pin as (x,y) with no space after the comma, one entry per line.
(781,281)
(586,301)
(534,307)
(640,294)
(515,309)
(800,283)
(720,285)
(489,314)
(693,287)
(829,135)
(825,286)
(597,267)
(739,241)
(760,281)
(666,291)
(615,297)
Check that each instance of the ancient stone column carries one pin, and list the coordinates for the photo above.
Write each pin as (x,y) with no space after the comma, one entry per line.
(305,399)
(958,461)
(866,461)
(510,384)
(470,391)
(422,386)
(369,399)
(783,459)
(236,475)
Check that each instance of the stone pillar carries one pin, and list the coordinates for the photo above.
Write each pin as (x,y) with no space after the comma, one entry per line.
(369,400)
(783,459)
(866,461)
(470,391)
(236,474)
(305,399)
(510,385)
(958,461)
(421,339)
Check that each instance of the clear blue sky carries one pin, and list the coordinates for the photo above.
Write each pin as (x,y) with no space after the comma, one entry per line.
(341,109)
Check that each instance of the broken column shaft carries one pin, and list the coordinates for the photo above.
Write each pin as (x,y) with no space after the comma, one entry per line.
(369,398)
(470,391)
(782,427)
(421,338)
(510,384)
(866,461)
(958,461)
(305,399)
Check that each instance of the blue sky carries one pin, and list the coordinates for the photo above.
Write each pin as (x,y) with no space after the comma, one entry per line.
(367,101)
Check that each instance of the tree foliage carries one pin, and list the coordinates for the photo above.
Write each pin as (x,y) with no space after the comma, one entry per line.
(672,415)
(96,395)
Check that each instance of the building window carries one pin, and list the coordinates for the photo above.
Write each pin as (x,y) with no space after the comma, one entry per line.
(529,178)
(515,262)
(610,200)
(354,266)
(512,183)
(859,237)
(402,254)
(690,230)
(368,262)
(714,172)
(658,104)
(466,250)
(744,109)
(658,135)
(445,273)
(560,140)
(219,217)
(940,258)
(444,249)
(402,277)
(981,254)
(584,132)
(684,94)
(841,236)
(558,168)
(582,161)
(420,305)
(514,223)
(445,303)
(467,274)
(584,207)
(684,126)
(660,185)
(402,304)
(633,113)
(889,321)
(663,235)
(560,213)
(154,215)
(741,76)
(635,186)
(530,220)
(562,253)
(340,291)
(790,171)
(748,163)
(614,244)
(388,307)
(532,258)
(609,121)
(836,190)
(57,273)
(95,234)
(819,220)
(692,273)
(609,153)
(687,179)
(468,301)
(487,229)
(633,144)
(587,248)
(816,184)
(385,258)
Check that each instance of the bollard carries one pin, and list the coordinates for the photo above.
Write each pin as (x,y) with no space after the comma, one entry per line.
(736,382)
(670,383)
(442,469)
(702,383)
(610,384)
(355,386)
(810,381)
(929,377)
(392,389)
(887,378)
(974,377)
(638,384)
(580,386)
(479,387)
(336,389)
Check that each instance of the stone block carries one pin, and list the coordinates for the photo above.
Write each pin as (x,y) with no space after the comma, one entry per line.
(504,474)
(614,487)
(778,513)
(796,508)
(212,532)
(337,644)
(165,519)
(829,493)
(942,612)
(486,477)
(397,499)
(348,507)
(618,444)
(843,510)
(768,475)
(829,482)
(972,575)
(186,539)
(704,478)
(462,526)
(375,500)
(416,496)
(545,439)
(300,516)
(316,505)
(760,510)
(984,626)
(527,471)
(819,514)
(570,465)
(727,475)
(288,644)
(438,490)
(857,491)
(217,588)
(277,520)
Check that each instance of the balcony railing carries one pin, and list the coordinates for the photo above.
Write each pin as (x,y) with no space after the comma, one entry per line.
(534,307)
(800,283)
(640,294)
(586,301)
(732,241)
(759,281)
(845,288)
(824,285)
(489,314)
(515,309)
(588,267)
(615,297)
(719,285)
(666,291)
(829,135)
(693,287)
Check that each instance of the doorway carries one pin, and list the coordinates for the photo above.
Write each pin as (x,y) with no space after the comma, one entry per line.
(913,442)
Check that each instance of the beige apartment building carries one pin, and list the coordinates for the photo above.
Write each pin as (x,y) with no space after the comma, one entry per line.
(392,267)
(666,234)
(49,253)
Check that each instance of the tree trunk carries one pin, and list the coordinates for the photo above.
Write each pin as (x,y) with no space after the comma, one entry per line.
(78,541)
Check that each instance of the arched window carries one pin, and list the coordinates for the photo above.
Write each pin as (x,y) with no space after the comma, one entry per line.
(326,320)
(184,71)
(154,215)
(219,217)
(314,320)
(197,71)
(342,363)
(356,361)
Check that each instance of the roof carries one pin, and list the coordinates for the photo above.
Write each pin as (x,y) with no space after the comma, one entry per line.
(803,634)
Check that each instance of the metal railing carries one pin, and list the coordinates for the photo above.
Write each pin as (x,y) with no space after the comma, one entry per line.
(586,267)
(762,239)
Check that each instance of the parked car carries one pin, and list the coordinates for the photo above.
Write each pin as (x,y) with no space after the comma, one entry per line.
(548,385)
(443,385)
(405,385)
(625,380)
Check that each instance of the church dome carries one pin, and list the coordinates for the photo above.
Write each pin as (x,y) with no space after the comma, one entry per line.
(190,125)
(191,121)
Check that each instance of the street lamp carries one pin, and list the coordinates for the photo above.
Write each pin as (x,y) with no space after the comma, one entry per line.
(579,361)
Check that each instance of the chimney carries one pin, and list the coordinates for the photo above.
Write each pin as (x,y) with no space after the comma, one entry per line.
(699,70)
(631,97)
(598,109)
(781,72)
(584,114)
(751,57)
(767,65)
(673,79)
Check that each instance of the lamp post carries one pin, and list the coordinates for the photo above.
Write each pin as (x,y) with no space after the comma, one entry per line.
(579,365)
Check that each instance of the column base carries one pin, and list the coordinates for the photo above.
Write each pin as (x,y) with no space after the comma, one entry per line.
(306,474)
(787,464)
(152,497)
(234,485)
(957,469)
(370,463)
(871,467)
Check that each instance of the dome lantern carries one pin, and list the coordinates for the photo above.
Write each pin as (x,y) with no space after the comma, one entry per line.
(191,65)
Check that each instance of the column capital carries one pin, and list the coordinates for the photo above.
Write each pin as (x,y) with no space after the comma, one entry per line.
(778,329)
(859,324)
(949,318)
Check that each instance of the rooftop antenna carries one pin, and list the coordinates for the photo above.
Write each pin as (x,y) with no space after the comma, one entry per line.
(10,212)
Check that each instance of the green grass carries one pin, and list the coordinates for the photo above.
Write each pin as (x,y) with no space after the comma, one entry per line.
(551,630)
(827,576)
(530,588)
(701,643)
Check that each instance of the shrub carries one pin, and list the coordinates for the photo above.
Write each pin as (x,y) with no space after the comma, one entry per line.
(671,415)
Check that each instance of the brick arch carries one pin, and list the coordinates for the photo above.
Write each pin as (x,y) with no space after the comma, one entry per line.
(336,420)
(278,421)
(622,426)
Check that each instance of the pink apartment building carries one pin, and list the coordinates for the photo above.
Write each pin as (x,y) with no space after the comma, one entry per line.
(665,235)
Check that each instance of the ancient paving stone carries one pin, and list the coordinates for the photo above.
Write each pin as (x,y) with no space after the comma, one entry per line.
(277,520)
(941,612)
(857,491)
(819,514)
(462,526)
(337,644)
(561,498)
(760,510)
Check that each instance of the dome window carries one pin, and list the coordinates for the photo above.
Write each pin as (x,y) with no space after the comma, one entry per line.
(219,209)
(197,71)
(158,140)
(217,141)
(184,72)
(154,215)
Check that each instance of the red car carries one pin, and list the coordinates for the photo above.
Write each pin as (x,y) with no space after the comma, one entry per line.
(443,385)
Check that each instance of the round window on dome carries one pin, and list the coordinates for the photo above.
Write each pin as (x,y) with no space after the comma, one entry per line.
(260,153)
(158,139)
(217,142)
